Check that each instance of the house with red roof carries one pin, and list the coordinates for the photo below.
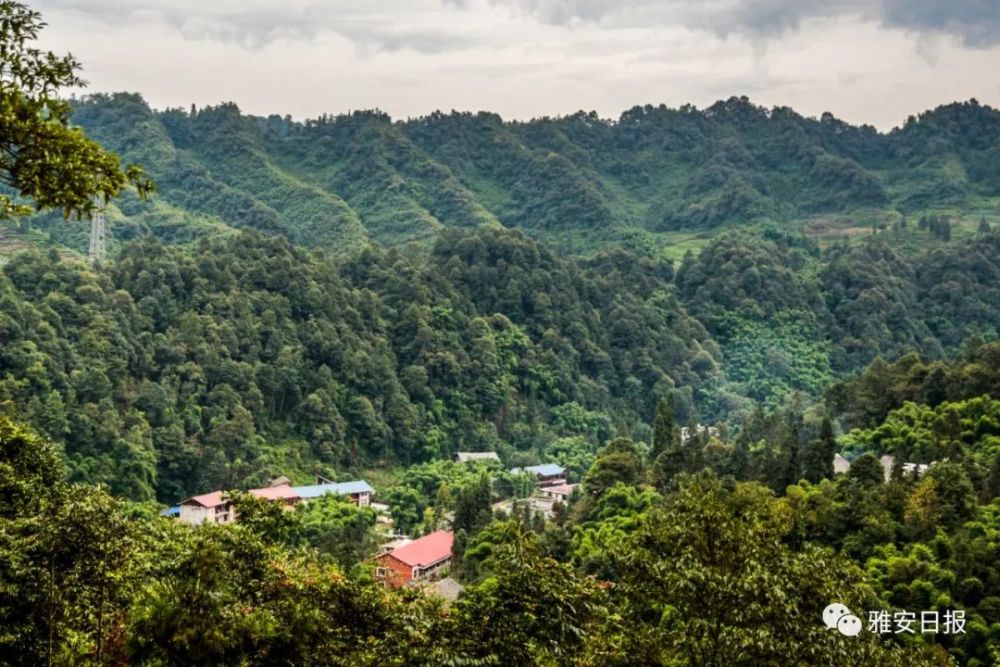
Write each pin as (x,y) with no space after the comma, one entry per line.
(420,560)
(207,508)
(216,507)
(284,493)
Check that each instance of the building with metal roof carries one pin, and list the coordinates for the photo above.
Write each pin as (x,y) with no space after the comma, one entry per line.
(545,469)
(358,490)
(546,474)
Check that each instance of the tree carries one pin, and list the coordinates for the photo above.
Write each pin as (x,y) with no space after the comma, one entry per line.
(818,459)
(66,553)
(42,158)
(789,447)
(472,509)
(619,462)
(666,436)
(923,510)
(726,590)
(532,610)
(336,526)
(955,492)
(867,470)
(268,520)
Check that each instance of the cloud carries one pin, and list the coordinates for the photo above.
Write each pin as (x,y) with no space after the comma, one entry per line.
(254,24)
(393,25)
(527,58)
(976,23)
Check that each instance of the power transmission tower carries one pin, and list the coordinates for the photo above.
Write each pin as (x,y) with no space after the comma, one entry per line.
(98,237)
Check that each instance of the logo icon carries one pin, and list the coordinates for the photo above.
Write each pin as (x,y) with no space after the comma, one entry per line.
(838,616)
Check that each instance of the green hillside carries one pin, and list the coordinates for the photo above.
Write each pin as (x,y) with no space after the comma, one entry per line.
(655,178)
(177,368)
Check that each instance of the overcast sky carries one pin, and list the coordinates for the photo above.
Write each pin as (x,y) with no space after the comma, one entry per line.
(871,61)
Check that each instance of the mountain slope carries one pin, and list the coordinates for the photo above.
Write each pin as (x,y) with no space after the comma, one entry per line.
(580,181)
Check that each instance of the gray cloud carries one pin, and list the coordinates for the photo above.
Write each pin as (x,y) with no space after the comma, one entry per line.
(975,22)
(382,26)
(255,24)
(526,58)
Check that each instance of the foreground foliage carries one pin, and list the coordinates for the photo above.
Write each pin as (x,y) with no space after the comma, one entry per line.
(686,590)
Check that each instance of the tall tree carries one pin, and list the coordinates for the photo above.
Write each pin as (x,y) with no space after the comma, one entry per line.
(472,508)
(43,159)
(619,461)
(818,459)
(666,435)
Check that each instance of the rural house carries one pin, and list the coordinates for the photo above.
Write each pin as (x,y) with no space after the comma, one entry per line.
(547,474)
(208,507)
(358,491)
(420,560)
(560,492)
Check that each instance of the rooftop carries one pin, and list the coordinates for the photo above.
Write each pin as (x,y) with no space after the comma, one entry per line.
(340,488)
(446,588)
(428,550)
(476,456)
(213,499)
(561,489)
(545,469)
(283,492)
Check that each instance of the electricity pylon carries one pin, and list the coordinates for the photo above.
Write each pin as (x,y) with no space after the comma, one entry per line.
(98,237)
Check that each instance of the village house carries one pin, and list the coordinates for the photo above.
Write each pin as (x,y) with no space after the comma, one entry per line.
(560,492)
(536,504)
(466,457)
(547,474)
(913,470)
(207,508)
(396,542)
(447,589)
(420,560)
(358,491)
(216,508)
(282,493)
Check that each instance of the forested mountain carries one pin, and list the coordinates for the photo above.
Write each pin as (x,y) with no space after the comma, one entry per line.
(174,369)
(170,371)
(203,356)
(580,180)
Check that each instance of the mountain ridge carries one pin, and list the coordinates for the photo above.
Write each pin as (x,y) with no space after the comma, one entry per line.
(578,181)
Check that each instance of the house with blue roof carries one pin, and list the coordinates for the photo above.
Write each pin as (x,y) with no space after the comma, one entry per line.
(547,474)
(359,491)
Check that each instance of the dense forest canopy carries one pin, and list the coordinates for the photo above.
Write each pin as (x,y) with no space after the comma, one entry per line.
(580,180)
(178,369)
